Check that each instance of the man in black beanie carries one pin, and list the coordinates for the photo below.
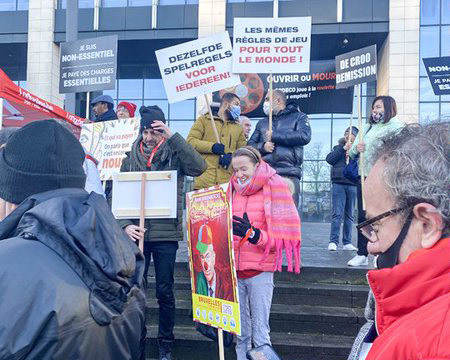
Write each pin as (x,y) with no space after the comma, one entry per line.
(71,279)
(157,149)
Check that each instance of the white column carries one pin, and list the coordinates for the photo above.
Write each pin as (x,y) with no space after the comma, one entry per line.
(43,53)
(399,59)
(211,20)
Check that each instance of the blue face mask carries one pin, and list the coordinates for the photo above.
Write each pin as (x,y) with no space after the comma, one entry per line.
(235,111)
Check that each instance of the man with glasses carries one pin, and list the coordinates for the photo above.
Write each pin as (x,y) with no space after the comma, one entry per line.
(408,210)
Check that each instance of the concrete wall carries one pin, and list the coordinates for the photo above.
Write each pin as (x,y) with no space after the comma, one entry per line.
(43,53)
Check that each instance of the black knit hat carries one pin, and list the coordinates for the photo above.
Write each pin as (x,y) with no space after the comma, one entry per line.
(148,115)
(39,157)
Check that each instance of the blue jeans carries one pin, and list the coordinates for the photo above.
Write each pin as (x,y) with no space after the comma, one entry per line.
(255,300)
(164,254)
(344,197)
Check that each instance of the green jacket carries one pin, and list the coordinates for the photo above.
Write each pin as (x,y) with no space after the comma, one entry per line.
(373,133)
(202,138)
(174,154)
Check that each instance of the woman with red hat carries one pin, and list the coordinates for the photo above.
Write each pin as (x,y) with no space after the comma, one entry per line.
(125,110)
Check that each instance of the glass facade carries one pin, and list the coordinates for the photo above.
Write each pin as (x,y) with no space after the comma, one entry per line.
(142,85)
(13,5)
(434,42)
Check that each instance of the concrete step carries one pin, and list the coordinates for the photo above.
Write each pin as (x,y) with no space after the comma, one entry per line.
(191,345)
(323,275)
(291,293)
(301,319)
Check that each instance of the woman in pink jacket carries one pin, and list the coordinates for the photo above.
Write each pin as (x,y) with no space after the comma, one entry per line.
(265,221)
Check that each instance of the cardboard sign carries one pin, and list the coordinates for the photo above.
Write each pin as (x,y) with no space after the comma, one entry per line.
(108,141)
(196,67)
(271,45)
(438,70)
(356,67)
(211,259)
(314,92)
(88,65)
(126,195)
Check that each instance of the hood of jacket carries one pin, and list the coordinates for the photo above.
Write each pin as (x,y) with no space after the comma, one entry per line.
(289,109)
(81,229)
(407,287)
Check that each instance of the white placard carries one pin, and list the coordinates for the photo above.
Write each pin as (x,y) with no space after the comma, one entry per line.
(271,45)
(197,67)
(126,195)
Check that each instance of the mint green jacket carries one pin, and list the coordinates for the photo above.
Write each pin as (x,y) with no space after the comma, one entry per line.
(372,138)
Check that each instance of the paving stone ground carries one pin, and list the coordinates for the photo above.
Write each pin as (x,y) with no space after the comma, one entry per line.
(314,253)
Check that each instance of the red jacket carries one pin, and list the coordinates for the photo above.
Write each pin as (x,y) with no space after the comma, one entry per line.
(247,255)
(413,307)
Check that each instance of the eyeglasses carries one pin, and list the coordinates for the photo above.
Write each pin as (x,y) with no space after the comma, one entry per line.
(370,226)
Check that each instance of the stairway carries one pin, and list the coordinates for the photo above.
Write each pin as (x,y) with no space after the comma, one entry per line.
(314,316)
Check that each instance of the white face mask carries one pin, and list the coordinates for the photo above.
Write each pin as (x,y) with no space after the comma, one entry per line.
(266,108)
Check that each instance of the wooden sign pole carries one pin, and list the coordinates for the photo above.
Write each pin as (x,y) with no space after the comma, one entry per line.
(213,123)
(221,348)
(88,107)
(142,211)
(361,155)
(350,132)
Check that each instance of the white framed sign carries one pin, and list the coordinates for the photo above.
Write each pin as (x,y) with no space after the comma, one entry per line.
(271,45)
(197,67)
(126,195)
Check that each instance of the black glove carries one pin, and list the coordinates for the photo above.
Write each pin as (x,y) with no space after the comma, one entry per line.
(225,160)
(242,225)
(218,149)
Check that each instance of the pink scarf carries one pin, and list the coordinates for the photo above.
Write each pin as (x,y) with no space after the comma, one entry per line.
(283,221)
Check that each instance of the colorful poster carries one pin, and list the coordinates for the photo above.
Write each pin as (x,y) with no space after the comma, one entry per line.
(271,45)
(197,67)
(314,92)
(108,141)
(211,259)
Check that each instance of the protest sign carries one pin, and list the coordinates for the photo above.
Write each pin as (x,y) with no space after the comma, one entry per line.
(271,45)
(88,65)
(356,67)
(108,141)
(211,259)
(438,70)
(314,92)
(196,67)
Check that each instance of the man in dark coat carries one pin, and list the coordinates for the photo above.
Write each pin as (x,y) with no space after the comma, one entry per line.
(157,149)
(71,279)
(282,148)
(103,106)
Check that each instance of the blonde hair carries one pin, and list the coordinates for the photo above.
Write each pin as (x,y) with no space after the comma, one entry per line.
(250,152)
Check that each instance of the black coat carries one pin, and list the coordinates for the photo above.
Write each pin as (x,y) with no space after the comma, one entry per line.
(109,115)
(291,131)
(70,281)
(337,159)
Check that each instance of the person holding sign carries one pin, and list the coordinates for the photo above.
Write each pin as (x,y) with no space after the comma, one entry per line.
(264,220)
(382,121)
(158,149)
(71,280)
(218,154)
(282,146)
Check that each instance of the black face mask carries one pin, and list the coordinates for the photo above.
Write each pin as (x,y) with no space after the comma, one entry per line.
(389,258)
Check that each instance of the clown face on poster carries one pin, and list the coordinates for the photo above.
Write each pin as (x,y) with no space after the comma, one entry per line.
(211,259)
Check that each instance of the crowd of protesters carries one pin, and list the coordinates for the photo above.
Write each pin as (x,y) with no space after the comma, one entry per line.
(85,279)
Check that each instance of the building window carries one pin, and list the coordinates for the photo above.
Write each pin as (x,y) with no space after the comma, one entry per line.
(13,5)
(82,4)
(434,42)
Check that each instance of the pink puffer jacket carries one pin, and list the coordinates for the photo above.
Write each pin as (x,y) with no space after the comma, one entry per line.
(249,256)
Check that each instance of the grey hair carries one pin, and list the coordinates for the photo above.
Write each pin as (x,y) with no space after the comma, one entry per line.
(417,166)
